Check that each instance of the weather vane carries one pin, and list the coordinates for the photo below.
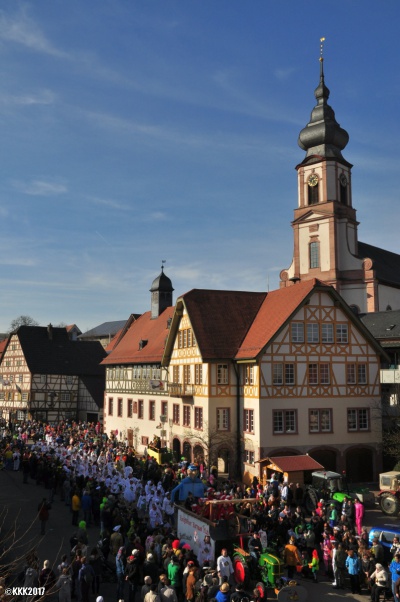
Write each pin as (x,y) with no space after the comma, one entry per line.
(162,263)
(321,48)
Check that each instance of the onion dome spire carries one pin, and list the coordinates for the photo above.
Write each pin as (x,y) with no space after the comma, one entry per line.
(323,136)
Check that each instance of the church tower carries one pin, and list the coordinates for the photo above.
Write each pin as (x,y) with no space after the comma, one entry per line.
(325,224)
(161,294)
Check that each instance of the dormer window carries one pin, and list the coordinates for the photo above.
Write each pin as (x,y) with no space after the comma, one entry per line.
(142,343)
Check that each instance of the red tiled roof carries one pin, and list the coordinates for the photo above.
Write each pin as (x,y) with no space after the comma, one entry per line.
(144,328)
(277,308)
(113,341)
(293,463)
(3,344)
(221,319)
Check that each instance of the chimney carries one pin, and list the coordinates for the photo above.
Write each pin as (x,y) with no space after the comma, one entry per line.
(50,332)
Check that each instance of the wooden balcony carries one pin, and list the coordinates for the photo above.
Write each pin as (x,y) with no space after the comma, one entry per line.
(180,390)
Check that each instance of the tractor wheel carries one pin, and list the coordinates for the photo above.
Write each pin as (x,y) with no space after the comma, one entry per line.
(389,504)
(233,524)
(310,500)
(241,571)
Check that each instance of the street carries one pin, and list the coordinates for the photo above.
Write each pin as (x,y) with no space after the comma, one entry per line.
(19,503)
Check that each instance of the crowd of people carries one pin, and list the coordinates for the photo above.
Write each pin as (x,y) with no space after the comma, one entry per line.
(121,504)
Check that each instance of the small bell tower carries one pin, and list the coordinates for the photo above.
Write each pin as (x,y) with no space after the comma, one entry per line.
(161,294)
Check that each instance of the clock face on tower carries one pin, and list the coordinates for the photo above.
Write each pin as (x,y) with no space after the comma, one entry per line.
(343,179)
(313,180)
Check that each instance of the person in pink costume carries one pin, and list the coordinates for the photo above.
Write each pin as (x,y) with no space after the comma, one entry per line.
(359,510)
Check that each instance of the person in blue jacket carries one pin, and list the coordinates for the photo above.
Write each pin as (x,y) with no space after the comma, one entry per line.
(394,569)
(353,566)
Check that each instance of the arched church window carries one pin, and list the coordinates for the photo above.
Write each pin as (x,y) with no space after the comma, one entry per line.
(313,189)
(314,255)
(343,189)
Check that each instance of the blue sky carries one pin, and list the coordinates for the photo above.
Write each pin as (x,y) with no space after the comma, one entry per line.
(137,131)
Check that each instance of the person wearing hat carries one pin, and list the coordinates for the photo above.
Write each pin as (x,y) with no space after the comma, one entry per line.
(353,566)
(291,557)
(381,578)
(333,516)
(133,575)
(116,540)
(224,593)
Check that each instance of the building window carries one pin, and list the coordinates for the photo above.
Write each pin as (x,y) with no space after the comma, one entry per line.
(312,374)
(198,418)
(186,415)
(249,375)
(319,374)
(277,374)
(356,374)
(175,413)
(141,409)
(358,419)
(324,374)
(283,374)
(152,410)
(362,374)
(175,374)
(313,194)
(110,406)
(351,374)
(119,407)
(68,380)
(24,396)
(186,374)
(1,395)
(320,421)
(180,339)
(198,374)
(248,456)
(285,422)
(314,254)
(342,335)
(313,333)
(223,419)
(222,374)
(129,408)
(248,421)
(145,440)
(327,333)
(20,378)
(298,332)
(64,396)
(164,408)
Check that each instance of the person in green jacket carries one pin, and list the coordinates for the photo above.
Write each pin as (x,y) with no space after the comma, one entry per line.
(174,575)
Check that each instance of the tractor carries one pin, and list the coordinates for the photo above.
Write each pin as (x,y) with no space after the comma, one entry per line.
(269,569)
(389,495)
(326,485)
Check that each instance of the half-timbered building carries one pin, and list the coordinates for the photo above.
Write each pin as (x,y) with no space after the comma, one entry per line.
(292,371)
(46,375)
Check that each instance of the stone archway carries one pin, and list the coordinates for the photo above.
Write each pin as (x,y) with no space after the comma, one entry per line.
(198,454)
(326,457)
(187,451)
(176,448)
(360,465)
(224,457)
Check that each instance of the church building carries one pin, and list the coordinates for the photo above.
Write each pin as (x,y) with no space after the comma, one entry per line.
(326,244)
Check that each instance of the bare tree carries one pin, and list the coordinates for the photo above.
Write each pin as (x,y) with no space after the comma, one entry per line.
(22,321)
(213,441)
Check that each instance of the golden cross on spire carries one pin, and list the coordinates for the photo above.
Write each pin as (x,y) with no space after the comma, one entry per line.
(321,49)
